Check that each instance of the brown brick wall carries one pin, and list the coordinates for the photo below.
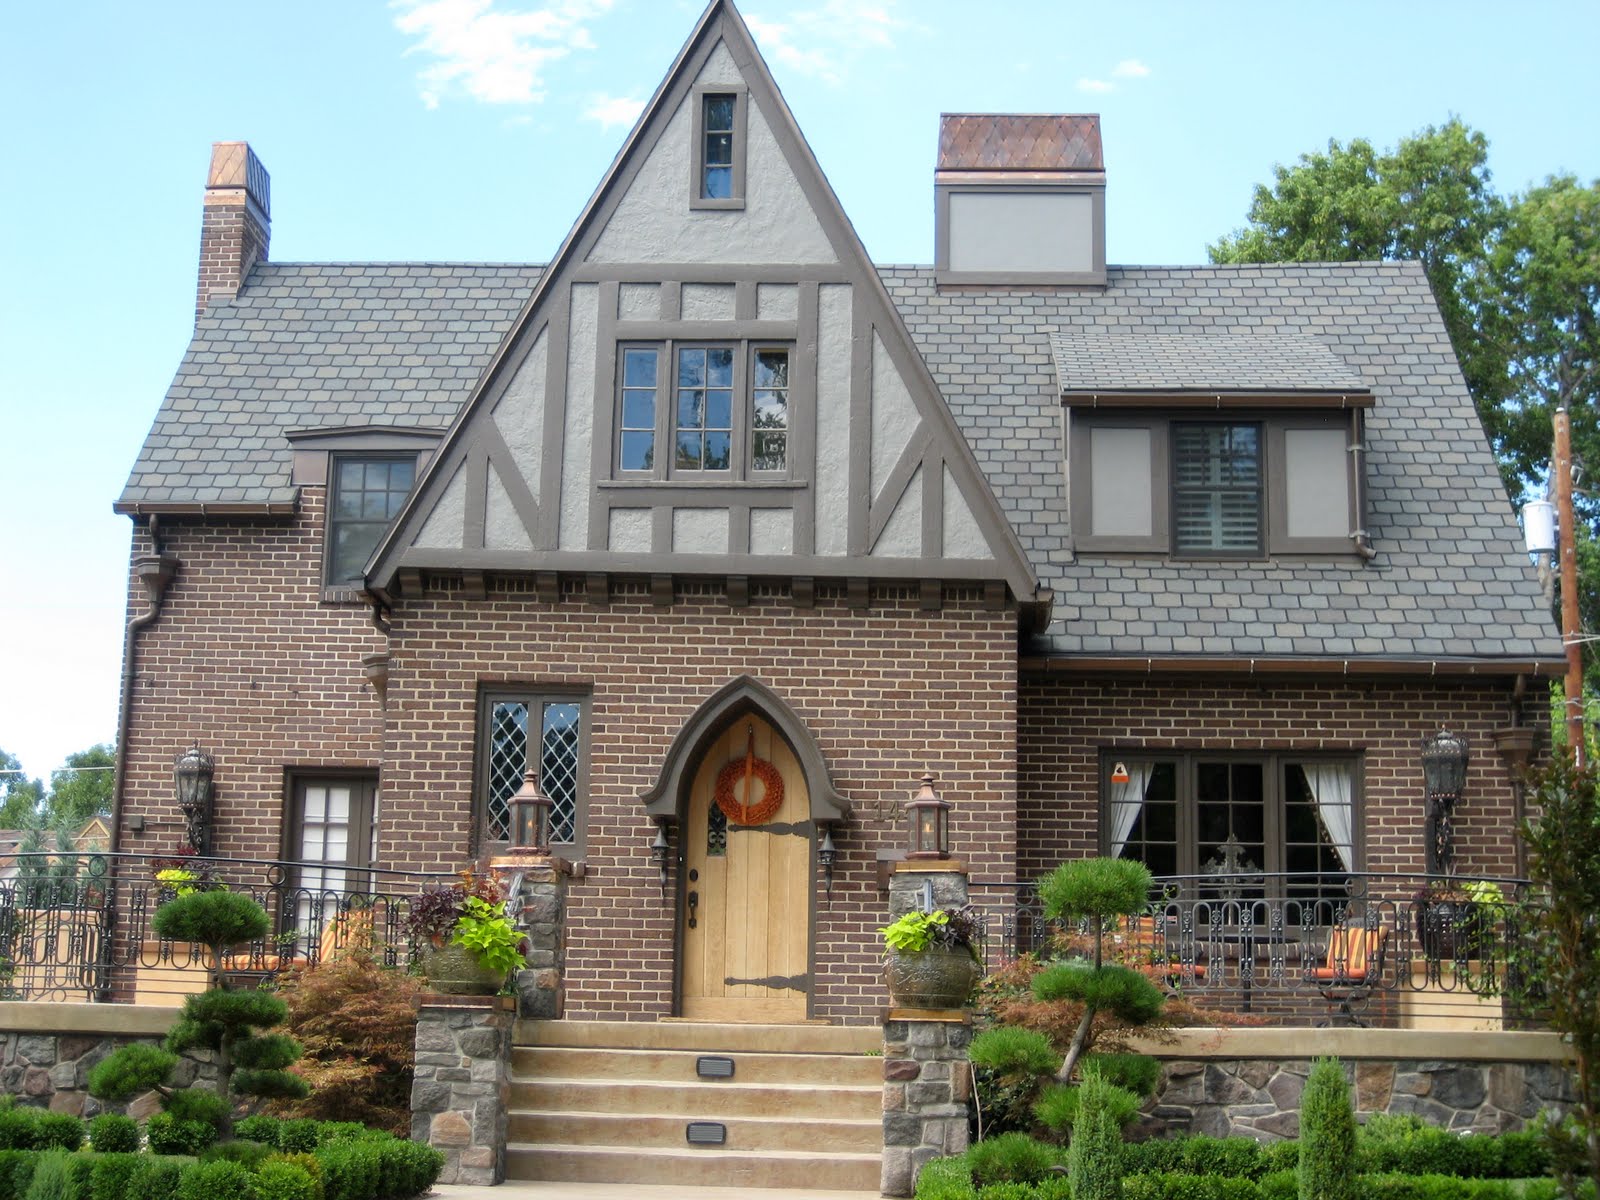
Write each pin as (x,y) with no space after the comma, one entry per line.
(887,694)
(247,661)
(231,242)
(1064,724)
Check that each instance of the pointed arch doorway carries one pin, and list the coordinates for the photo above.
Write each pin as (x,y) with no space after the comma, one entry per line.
(747,787)
(746,904)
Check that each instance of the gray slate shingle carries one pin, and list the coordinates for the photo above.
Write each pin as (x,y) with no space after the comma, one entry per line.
(1089,361)
(312,345)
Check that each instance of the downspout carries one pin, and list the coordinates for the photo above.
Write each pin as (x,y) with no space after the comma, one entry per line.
(155,571)
(1358,452)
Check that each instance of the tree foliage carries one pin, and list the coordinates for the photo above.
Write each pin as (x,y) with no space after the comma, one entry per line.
(1564,945)
(1517,279)
(21,798)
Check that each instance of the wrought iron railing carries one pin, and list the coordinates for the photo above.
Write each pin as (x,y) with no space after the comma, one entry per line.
(78,926)
(1391,950)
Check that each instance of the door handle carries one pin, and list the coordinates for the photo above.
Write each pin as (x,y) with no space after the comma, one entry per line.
(694,903)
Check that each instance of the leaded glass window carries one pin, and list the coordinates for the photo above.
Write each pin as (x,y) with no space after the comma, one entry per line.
(557,725)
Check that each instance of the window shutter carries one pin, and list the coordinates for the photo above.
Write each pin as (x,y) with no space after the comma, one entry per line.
(1216,475)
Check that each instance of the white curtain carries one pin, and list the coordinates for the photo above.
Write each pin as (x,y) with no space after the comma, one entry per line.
(1127,801)
(1331,786)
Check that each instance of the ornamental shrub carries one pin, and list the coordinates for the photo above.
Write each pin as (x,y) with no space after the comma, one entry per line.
(1094,1159)
(282,1180)
(407,1168)
(1007,1191)
(51,1180)
(1139,1073)
(1183,1186)
(19,1128)
(113,1133)
(1280,1156)
(197,1104)
(350,1170)
(1282,1185)
(1238,1157)
(168,1134)
(248,1155)
(299,1136)
(111,1175)
(945,1179)
(133,1069)
(11,1162)
(1010,1158)
(258,1128)
(1327,1135)
(214,1180)
(58,1130)
(156,1178)
(1057,1107)
(1011,1052)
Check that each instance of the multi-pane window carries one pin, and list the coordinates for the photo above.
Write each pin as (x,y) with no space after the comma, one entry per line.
(717,113)
(366,493)
(546,732)
(1246,827)
(1216,488)
(333,832)
(723,408)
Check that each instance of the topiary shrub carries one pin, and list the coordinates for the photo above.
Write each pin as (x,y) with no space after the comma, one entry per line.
(945,1179)
(1284,1184)
(168,1134)
(19,1128)
(213,1180)
(1010,1158)
(407,1168)
(302,1136)
(113,1133)
(197,1104)
(258,1128)
(350,1170)
(127,1072)
(1094,1158)
(282,1180)
(111,1174)
(58,1131)
(155,1179)
(249,1155)
(1057,1107)
(1327,1169)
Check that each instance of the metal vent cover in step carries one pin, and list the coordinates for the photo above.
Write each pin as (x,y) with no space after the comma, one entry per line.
(713,1066)
(706,1133)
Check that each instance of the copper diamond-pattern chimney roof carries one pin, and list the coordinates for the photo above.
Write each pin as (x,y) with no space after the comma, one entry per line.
(1020,142)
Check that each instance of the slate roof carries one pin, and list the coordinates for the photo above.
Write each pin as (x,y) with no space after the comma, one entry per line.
(319,344)
(311,345)
(1094,361)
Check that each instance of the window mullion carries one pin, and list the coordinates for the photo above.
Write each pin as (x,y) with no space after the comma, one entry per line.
(667,375)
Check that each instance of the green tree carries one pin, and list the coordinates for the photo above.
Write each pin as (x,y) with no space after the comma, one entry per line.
(81,788)
(1563,948)
(21,798)
(1429,199)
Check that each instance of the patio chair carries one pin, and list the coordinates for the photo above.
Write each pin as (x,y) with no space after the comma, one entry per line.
(1353,966)
(1144,941)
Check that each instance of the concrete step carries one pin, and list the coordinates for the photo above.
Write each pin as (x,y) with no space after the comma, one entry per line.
(699,1102)
(572,1062)
(669,1131)
(703,1166)
(707,1038)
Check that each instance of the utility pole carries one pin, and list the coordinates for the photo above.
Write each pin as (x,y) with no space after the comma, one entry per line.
(1570,635)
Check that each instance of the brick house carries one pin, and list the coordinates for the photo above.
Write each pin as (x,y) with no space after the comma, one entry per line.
(711,512)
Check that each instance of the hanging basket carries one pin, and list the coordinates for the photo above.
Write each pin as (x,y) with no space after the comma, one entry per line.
(938,977)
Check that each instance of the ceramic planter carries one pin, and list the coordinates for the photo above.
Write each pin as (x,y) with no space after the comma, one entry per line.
(937,977)
(455,971)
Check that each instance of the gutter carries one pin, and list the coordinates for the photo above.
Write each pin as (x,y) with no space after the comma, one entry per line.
(155,571)
(1239,665)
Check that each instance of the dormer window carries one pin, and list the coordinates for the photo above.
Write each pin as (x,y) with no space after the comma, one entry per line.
(1216,488)
(719,147)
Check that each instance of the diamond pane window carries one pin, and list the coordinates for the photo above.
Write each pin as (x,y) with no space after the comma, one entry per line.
(507,723)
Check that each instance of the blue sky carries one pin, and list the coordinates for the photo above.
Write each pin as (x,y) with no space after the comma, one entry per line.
(475,130)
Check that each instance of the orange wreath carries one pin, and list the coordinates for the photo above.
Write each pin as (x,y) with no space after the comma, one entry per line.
(749,768)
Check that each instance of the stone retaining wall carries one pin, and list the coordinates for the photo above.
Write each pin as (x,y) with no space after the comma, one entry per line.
(1484,1083)
(48,1050)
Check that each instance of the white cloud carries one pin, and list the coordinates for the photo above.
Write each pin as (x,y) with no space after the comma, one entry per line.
(613,110)
(1095,85)
(489,54)
(1130,68)
(821,41)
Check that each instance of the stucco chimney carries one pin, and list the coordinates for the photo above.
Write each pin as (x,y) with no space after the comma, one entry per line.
(1020,198)
(237,222)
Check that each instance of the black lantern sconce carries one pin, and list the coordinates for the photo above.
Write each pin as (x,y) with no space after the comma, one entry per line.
(530,813)
(827,855)
(1444,774)
(193,776)
(927,823)
(660,853)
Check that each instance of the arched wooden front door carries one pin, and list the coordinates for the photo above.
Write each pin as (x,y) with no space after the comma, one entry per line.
(746,898)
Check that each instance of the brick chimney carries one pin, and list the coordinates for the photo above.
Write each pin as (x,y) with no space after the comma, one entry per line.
(237,223)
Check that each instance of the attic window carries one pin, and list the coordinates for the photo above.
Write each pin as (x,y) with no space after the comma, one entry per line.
(719,147)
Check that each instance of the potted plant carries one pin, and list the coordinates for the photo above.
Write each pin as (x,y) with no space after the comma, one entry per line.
(1453,915)
(468,944)
(932,957)
(183,874)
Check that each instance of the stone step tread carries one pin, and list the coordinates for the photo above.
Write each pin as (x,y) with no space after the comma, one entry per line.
(694,1152)
(701,1036)
(649,1115)
(594,1060)
(732,1086)
(803,1172)
(630,1130)
(659,1096)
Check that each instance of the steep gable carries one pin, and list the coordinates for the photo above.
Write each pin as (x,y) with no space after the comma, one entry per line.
(710,378)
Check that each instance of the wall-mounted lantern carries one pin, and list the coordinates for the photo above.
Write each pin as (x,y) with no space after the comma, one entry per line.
(827,855)
(927,823)
(530,813)
(1444,774)
(192,776)
(660,852)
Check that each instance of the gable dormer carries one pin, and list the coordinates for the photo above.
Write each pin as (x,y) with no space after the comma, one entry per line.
(709,379)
